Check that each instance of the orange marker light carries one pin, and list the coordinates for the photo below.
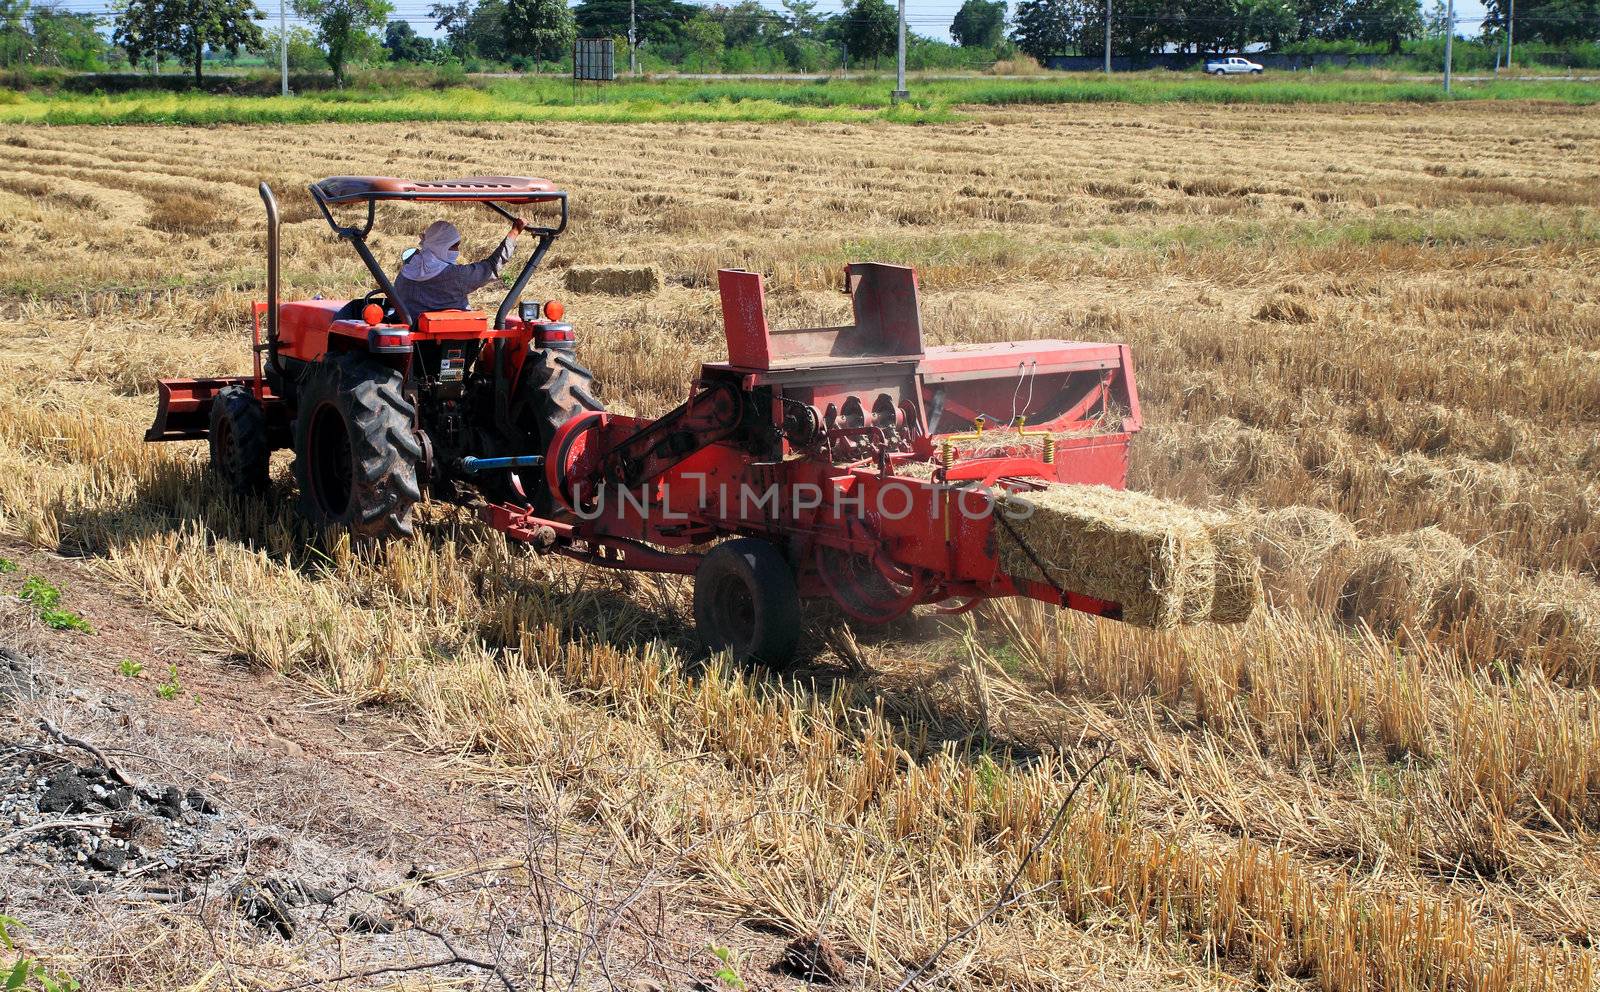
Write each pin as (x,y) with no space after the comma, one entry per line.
(554,310)
(372,314)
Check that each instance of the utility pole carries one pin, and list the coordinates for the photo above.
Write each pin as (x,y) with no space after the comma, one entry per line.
(283,45)
(633,44)
(1449,39)
(900,92)
(1511,20)
(1108,37)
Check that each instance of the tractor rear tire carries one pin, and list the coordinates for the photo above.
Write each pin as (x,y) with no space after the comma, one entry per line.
(240,452)
(356,451)
(746,602)
(555,388)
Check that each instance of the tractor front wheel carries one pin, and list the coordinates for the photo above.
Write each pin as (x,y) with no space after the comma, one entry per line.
(240,453)
(746,602)
(356,452)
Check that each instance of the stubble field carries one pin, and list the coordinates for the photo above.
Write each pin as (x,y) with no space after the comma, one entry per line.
(1373,330)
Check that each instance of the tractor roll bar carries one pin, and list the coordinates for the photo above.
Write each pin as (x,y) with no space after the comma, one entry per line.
(546,236)
(357,236)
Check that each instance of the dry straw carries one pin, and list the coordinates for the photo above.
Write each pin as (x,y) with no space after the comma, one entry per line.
(1164,563)
(1420,579)
(613,280)
(1305,553)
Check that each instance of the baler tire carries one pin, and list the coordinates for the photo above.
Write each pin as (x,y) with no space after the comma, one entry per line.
(746,602)
(555,388)
(240,452)
(358,406)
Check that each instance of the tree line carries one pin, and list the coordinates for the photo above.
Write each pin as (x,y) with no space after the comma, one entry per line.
(745,35)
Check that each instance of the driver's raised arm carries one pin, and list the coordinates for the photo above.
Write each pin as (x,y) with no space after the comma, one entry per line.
(487,269)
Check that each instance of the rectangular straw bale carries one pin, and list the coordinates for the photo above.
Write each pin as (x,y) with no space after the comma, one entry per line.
(1238,588)
(615,280)
(1165,564)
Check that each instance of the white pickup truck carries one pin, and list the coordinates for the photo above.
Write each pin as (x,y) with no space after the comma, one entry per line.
(1233,64)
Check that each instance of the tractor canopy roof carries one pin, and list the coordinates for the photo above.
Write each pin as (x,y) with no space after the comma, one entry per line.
(472,189)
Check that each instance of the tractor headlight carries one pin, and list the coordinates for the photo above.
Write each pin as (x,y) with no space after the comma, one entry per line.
(528,310)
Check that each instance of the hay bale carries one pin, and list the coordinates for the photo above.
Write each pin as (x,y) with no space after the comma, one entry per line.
(1454,480)
(614,280)
(1164,563)
(1304,553)
(1554,621)
(1421,579)
(1238,455)
(1285,309)
(1238,573)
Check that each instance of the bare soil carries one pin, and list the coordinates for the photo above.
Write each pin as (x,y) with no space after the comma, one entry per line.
(324,835)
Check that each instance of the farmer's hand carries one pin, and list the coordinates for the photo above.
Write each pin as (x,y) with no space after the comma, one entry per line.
(517,226)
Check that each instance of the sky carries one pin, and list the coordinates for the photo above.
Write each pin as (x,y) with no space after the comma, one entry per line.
(930,18)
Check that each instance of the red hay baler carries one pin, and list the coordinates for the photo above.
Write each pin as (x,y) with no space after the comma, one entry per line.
(849,462)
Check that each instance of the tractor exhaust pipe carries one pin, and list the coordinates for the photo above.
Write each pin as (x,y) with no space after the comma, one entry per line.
(272,278)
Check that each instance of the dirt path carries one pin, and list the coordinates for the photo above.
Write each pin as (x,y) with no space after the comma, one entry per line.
(267,838)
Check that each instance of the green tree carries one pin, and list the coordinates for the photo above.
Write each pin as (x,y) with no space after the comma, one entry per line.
(1045,27)
(1317,19)
(748,23)
(703,38)
(486,30)
(186,28)
(539,29)
(869,29)
(65,38)
(1270,21)
(16,42)
(803,19)
(1381,22)
(452,19)
(344,27)
(979,23)
(1433,23)
(403,43)
(1559,22)
(305,55)
(661,22)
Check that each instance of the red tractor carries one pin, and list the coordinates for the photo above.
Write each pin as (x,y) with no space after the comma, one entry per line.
(379,404)
(846,462)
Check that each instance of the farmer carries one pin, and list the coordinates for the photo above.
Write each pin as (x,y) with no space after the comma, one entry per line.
(430,279)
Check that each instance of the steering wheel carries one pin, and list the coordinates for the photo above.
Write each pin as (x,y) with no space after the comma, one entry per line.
(378,296)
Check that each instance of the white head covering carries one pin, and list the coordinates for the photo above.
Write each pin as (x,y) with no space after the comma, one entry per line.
(436,254)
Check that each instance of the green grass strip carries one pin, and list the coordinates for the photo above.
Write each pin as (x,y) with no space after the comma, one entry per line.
(682,101)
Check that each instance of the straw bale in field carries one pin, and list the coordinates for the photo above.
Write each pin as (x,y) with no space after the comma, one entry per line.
(1238,455)
(1285,309)
(1238,573)
(1164,563)
(615,280)
(1454,477)
(1555,619)
(1300,548)
(1425,576)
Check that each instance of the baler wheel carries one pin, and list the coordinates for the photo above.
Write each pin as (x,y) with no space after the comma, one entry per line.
(746,602)
(555,388)
(356,453)
(240,453)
